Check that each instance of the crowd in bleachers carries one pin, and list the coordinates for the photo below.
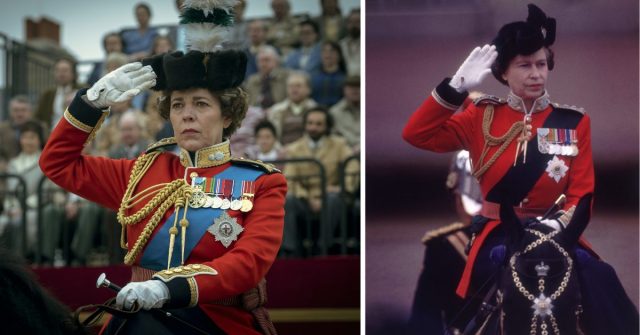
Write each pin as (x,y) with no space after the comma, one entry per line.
(303,81)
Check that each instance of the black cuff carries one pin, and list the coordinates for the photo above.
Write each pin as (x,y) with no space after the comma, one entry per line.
(83,111)
(449,95)
(179,292)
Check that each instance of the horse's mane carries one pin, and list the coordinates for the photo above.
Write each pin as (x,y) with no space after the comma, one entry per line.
(25,306)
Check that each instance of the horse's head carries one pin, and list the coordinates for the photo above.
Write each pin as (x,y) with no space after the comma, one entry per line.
(539,287)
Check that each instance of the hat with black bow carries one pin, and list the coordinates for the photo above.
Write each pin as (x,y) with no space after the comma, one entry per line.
(523,38)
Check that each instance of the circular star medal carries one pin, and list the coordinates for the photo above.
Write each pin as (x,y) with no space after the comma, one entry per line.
(216,202)
(225,204)
(197,199)
(236,204)
(247,205)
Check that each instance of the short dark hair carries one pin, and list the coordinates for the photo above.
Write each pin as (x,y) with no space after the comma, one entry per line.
(33,126)
(336,47)
(265,124)
(327,116)
(111,34)
(145,6)
(313,25)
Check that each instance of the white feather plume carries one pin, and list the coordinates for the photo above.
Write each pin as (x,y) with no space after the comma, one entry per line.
(209,5)
(204,37)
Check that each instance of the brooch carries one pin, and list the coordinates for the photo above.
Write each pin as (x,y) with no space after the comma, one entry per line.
(556,169)
(225,229)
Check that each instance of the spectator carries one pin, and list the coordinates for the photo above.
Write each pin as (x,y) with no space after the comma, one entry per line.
(267,146)
(287,115)
(176,33)
(257,31)
(330,21)
(26,166)
(346,113)
(161,45)
(238,32)
(327,82)
(20,111)
(307,57)
(51,104)
(111,42)
(351,43)
(138,42)
(268,86)
(109,136)
(283,31)
(132,139)
(304,199)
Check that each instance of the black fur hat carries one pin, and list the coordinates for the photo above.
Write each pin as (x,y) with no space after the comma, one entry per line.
(207,65)
(523,38)
(217,70)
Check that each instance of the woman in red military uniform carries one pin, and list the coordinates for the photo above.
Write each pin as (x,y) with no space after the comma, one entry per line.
(525,150)
(201,229)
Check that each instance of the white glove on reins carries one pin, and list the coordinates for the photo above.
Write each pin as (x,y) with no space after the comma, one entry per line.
(474,69)
(148,294)
(121,85)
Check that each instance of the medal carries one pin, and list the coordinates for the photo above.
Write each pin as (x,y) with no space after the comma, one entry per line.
(543,143)
(235,204)
(216,201)
(248,187)
(209,202)
(247,205)
(225,229)
(556,169)
(226,191)
(198,197)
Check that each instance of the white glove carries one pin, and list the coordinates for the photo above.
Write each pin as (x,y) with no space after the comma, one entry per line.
(553,223)
(121,85)
(148,294)
(474,69)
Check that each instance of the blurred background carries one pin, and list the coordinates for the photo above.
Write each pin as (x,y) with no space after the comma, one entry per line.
(410,47)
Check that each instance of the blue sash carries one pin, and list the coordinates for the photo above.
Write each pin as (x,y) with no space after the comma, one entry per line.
(155,254)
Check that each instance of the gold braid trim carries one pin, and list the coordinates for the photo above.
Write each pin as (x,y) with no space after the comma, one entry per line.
(165,198)
(490,140)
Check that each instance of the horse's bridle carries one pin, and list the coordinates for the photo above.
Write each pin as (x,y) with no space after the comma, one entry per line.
(542,305)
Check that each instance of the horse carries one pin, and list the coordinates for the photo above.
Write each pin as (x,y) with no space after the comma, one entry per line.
(27,308)
(538,291)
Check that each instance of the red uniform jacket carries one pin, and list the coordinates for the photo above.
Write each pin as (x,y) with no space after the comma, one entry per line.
(534,185)
(239,267)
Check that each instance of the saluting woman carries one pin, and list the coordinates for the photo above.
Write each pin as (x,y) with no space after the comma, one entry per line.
(525,150)
(201,228)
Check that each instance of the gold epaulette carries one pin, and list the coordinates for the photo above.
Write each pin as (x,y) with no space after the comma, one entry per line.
(185,271)
(570,107)
(448,229)
(161,144)
(489,100)
(267,167)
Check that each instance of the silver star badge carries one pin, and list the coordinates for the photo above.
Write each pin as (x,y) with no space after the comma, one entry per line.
(225,229)
(542,306)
